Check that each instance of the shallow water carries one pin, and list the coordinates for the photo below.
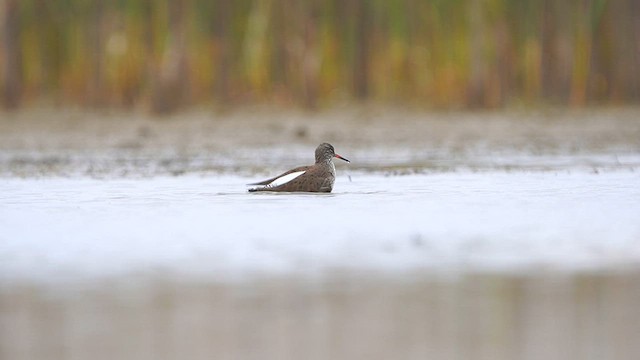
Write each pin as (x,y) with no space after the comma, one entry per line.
(66,228)
(508,236)
(459,265)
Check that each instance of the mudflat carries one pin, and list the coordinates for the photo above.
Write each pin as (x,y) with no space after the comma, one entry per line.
(73,142)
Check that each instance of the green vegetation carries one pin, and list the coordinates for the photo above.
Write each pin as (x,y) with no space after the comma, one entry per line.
(454,53)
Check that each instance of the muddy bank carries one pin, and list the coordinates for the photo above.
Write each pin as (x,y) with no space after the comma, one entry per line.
(46,142)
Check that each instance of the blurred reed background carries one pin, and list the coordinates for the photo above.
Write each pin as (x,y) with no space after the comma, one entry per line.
(167,55)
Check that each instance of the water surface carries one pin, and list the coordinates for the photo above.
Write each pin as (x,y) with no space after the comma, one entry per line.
(510,235)
(210,226)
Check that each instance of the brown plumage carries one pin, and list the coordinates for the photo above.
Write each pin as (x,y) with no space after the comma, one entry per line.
(318,177)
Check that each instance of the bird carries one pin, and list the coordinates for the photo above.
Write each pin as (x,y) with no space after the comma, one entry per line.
(318,177)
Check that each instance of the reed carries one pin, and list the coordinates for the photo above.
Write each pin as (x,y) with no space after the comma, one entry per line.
(465,53)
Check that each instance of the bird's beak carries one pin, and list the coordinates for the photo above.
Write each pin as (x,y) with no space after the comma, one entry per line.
(341,158)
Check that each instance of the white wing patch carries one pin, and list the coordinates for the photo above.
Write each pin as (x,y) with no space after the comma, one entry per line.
(285,179)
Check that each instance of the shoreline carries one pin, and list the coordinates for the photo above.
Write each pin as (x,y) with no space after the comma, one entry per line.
(45,142)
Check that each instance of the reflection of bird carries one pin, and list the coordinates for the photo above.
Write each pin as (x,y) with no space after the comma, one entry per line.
(318,177)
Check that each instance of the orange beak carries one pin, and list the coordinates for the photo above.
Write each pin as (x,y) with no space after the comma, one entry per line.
(341,158)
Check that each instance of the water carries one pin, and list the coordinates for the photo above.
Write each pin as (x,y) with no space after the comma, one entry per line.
(209,226)
(459,265)
(450,236)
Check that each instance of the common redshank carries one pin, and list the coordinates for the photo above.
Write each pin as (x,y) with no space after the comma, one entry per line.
(318,177)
